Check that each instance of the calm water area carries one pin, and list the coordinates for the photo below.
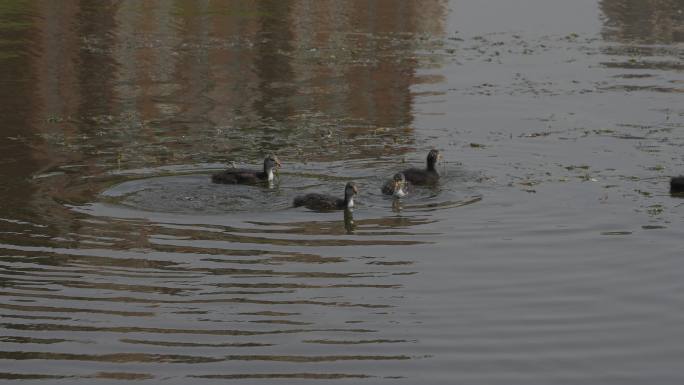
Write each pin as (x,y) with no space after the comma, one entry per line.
(551,251)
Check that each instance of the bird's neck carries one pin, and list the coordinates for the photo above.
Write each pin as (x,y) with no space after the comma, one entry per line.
(431,166)
(269,174)
(399,192)
(349,202)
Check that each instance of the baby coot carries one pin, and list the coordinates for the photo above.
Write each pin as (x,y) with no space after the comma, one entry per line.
(427,176)
(677,185)
(241,175)
(322,202)
(396,186)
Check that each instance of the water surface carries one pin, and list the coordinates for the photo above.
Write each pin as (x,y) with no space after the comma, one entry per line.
(550,252)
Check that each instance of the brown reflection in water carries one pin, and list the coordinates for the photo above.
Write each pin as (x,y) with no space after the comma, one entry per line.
(647,21)
(94,23)
(194,344)
(264,376)
(74,310)
(123,376)
(208,332)
(133,300)
(115,357)
(380,90)
(75,89)
(31,340)
(96,87)
(17,102)
(114,85)
(187,359)
(21,376)
(101,86)
(273,64)
(353,342)
(268,49)
(365,74)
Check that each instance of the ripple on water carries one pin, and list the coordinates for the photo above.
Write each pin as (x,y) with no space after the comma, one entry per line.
(196,194)
(162,275)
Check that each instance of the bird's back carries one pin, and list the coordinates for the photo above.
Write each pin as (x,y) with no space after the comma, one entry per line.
(235,175)
(418,176)
(320,202)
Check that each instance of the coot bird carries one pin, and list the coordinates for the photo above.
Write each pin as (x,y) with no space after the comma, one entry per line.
(677,185)
(241,175)
(396,186)
(427,176)
(322,202)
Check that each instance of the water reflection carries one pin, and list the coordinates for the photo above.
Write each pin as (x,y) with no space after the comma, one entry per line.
(120,260)
(144,100)
(643,30)
(273,67)
(20,159)
(349,224)
(220,287)
(644,21)
(200,82)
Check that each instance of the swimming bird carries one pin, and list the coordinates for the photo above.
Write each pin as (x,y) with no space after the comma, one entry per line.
(322,202)
(241,175)
(427,176)
(396,186)
(677,185)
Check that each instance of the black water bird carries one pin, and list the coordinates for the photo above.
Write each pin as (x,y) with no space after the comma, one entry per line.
(396,186)
(424,176)
(322,202)
(241,175)
(677,185)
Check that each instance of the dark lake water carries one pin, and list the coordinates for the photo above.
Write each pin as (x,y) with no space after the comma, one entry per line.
(551,252)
